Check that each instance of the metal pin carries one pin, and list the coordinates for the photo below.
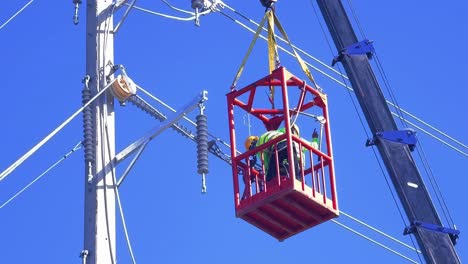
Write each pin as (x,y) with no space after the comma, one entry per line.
(203,185)
(77,7)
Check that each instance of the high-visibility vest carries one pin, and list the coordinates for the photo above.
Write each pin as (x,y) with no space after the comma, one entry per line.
(264,155)
(315,143)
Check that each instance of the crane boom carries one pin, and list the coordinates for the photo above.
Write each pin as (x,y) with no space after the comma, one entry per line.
(437,247)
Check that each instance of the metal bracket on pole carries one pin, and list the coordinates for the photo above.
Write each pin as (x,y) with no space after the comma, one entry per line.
(132,163)
(360,48)
(202,97)
(401,136)
(117,27)
(453,233)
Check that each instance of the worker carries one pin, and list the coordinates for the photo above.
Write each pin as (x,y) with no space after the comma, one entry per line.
(249,144)
(268,155)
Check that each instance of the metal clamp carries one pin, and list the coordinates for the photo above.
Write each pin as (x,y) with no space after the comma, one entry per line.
(363,47)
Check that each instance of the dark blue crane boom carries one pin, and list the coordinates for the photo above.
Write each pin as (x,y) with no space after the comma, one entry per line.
(435,241)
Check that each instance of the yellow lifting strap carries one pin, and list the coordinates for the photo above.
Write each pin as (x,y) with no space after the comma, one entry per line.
(273,58)
(304,67)
(272,50)
(244,61)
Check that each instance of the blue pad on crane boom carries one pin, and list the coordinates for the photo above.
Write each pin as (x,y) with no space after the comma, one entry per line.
(453,233)
(407,136)
(362,47)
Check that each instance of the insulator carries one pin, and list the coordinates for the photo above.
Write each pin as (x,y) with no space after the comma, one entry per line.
(88,127)
(182,130)
(202,144)
(140,103)
(197,4)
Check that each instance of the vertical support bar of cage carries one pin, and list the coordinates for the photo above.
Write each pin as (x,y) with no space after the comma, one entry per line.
(312,172)
(324,185)
(331,166)
(301,164)
(232,136)
(262,157)
(257,184)
(277,167)
(287,125)
(247,178)
(318,176)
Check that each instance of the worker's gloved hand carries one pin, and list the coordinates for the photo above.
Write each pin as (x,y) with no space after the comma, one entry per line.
(315,134)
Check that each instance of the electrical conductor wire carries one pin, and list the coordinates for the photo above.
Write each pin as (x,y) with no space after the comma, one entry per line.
(373,241)
(16,14)
(378,231)
(77,147)
(13,166)
(169,16)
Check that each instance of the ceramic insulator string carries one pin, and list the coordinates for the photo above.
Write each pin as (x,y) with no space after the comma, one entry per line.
(202,144)
(88,127)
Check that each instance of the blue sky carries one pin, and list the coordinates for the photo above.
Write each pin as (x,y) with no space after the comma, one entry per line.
(421,49)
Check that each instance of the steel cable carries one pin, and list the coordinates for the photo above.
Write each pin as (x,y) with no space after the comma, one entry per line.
(77,147)
(28,154)
(16,14)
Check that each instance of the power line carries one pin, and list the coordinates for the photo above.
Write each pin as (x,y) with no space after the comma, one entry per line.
(28,154)
(16,14)
(190,18)
(77,147)
(378,231)
(373,241)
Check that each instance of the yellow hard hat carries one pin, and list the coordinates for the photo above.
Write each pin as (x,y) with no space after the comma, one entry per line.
(249,141)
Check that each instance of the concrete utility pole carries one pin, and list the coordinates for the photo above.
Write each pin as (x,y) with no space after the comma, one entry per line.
(99,222)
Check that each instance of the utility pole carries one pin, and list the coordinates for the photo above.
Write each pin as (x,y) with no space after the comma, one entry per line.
(99,221)
(434,240)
